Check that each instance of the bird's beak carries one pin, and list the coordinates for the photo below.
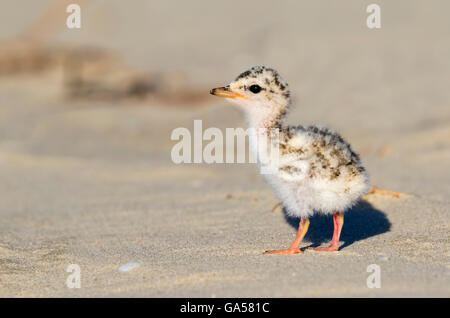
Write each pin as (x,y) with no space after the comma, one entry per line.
(225,92)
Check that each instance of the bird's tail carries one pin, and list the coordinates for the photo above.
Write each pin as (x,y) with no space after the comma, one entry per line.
(376,190)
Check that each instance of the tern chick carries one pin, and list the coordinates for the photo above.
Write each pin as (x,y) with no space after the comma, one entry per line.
(317,170)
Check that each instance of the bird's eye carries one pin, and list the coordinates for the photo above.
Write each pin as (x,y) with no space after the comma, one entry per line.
(255,89)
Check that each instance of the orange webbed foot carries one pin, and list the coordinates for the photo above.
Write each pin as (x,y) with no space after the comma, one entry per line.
(284,252)
(330,248)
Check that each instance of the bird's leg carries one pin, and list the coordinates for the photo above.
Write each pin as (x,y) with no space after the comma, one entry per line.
(338,220)
(294,248)
(375,190)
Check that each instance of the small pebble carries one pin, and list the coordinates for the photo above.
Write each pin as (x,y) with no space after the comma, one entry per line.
(382,258)
(128,267)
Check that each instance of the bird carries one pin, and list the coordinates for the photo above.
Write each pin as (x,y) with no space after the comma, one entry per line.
(317,171)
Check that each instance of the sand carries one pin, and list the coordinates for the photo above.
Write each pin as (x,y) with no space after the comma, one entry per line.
(91,182)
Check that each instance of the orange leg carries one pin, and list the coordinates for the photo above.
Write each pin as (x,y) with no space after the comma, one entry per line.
(338,220)
(294,248)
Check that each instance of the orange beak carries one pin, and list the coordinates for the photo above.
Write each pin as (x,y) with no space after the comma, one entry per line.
(225,92)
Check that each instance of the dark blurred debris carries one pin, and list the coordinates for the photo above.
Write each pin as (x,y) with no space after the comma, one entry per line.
(97,74)
(88,73)
(18,59)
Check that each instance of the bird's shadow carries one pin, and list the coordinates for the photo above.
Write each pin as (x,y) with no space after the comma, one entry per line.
(360,222)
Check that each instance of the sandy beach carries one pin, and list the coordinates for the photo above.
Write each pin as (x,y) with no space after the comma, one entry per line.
(90,181)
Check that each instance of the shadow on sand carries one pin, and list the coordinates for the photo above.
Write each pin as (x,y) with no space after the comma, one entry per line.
(360,222)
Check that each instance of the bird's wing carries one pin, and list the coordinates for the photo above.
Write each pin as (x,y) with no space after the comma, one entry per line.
(294,159)
(316,151)
(294,170)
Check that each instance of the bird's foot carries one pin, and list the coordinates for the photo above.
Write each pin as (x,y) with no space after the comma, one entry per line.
(331,248)
(288,251)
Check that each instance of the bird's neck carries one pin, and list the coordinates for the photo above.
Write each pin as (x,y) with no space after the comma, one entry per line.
(266,118)
(264,132)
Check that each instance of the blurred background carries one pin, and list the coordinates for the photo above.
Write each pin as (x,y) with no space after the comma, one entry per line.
(86,116)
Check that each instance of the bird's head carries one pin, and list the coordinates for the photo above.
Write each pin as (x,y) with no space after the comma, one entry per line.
(260,92)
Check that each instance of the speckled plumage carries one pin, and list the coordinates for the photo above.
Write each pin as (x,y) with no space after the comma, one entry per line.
(317,170)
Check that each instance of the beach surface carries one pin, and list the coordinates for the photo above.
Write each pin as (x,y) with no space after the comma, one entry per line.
(91,181)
